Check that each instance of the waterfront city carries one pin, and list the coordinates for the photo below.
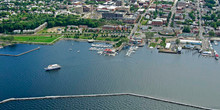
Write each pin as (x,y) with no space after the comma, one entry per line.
(109,54)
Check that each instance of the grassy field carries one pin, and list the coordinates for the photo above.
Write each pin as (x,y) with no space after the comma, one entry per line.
(97,38)
(44,39)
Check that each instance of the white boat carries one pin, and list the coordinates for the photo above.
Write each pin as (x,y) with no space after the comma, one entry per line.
(216,43)
(78,51)
(70,49)
(52,67)
(100,52)
(91,41)
(206,53)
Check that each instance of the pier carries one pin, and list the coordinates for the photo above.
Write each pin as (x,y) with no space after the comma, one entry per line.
(121,47)
(20,53)
(102,95)
(167,51)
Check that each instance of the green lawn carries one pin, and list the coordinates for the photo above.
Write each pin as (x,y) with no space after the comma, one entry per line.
(153,44)
(45,39)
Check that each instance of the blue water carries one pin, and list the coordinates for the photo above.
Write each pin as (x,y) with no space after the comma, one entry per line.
(94,103)
(17,49)
(184,78)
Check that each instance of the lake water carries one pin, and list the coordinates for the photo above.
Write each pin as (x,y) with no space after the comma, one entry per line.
(94,103)
(187,78)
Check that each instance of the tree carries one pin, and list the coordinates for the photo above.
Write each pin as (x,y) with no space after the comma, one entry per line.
(177,41)
(211,33)
(186,29)
(149,35)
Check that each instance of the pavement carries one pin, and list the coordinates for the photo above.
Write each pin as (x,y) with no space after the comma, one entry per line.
(139,23)
(173,10)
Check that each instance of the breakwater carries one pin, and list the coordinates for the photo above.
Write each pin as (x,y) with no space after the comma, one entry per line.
(102,95)
(20,53)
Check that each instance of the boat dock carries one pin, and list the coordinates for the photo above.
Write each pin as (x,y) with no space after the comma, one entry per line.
(167,51)
(102,95)
(20,53)
(120,48)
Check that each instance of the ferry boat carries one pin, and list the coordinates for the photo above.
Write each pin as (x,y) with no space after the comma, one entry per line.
(53,67)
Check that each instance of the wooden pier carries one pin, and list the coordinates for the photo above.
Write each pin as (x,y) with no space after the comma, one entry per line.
(20,53)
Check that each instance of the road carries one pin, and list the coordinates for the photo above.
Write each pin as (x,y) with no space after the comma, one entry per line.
(173,10)
(139,22)
(200,21)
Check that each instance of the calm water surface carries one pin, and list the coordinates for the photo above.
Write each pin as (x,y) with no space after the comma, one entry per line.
(187,78)
(94,103)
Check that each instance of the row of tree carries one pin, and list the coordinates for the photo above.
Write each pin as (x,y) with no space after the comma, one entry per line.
(31,21)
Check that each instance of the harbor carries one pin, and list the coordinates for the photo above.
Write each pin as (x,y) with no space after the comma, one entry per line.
(93,73)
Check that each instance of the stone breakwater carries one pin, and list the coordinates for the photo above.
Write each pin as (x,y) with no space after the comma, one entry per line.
(103,95)
(20,53)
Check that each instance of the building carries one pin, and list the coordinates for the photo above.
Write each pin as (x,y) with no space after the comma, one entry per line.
(113,15)
(94,29)
(17,31)
(29,31)
(117,27)
(141,10)
(83,26)
(217,33)
(123,9)
(71,27)
(182,4)
(131,18)
(178,16)
(87,8)
(78,9)
(157,22)
(118,3)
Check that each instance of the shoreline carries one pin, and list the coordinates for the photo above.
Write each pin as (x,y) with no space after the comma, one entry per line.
(102,95)
(58,39)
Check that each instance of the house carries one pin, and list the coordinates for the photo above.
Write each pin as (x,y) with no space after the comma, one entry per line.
(83,26)
(141,10)
(157,22)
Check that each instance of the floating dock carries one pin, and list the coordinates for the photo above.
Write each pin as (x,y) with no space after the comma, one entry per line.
(20,53)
